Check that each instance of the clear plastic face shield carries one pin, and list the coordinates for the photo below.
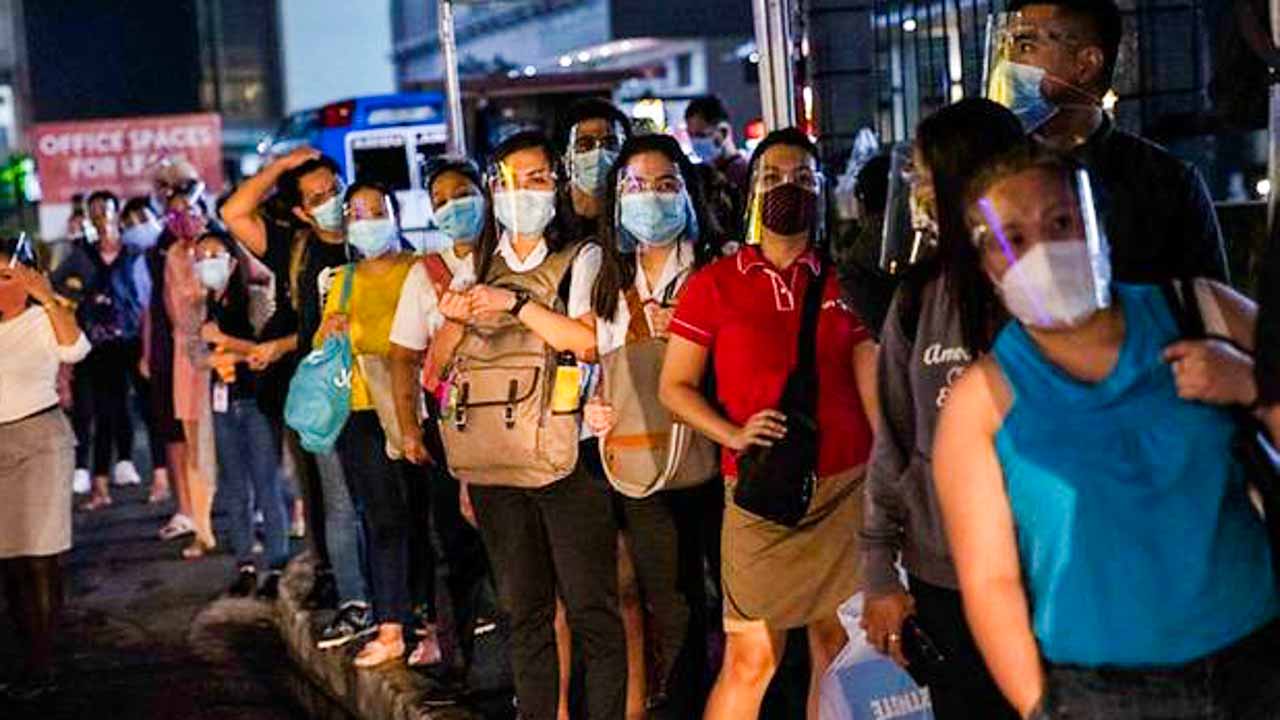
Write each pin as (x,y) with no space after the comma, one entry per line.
(787,197)
(1040,240)
(372,228)
(523,187)
(910,225)
(593,147)
(653,208)
(1020,53)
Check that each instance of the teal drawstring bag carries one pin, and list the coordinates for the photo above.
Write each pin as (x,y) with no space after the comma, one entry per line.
(319,398)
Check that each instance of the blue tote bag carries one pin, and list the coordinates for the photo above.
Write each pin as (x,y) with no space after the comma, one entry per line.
(319,399)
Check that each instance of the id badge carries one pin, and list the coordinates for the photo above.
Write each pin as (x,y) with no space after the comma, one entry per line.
(221,397)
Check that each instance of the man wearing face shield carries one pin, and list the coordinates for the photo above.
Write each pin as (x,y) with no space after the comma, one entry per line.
(742,316)
(596,131)
(1110,561)
(299,235)
(1052,63)
(102,278)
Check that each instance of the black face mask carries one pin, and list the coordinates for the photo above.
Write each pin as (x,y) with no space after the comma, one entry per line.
(788,209)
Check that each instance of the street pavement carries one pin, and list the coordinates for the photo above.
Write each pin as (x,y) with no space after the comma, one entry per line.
(145,635)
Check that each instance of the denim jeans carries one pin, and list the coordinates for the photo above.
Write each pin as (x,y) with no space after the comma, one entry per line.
(377,486)
(1241,682)
(250,460)
(343,535)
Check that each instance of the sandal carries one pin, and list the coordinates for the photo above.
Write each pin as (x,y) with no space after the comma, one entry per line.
(160,493)
(427,651)
(197,549)
(376,653)
(178,526)
(95,503)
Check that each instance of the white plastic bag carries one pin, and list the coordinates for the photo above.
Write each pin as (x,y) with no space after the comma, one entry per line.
(863,684)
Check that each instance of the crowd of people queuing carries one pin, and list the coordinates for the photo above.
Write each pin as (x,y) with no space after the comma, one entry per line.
(1027,460)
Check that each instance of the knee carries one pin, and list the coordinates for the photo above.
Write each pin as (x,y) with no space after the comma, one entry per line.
(749,663)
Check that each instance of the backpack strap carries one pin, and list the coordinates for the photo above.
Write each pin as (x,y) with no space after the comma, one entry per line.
(1185,307)
(348,279)
(437,272)
(638,327)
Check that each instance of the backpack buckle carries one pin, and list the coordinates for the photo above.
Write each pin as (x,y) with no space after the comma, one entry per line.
(509,412)
(460,414)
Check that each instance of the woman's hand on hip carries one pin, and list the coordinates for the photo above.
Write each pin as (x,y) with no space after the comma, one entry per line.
(761,429)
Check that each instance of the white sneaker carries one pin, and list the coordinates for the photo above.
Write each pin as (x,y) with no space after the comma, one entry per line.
(81,482)
(126,474)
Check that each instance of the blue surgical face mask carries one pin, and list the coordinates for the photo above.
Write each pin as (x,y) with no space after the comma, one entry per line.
(591,170)
(654,218)
(462,219)
(525,212)
(373,237)
(706,148)
(214,272)
(328,214)
(1017,87)
(143,235)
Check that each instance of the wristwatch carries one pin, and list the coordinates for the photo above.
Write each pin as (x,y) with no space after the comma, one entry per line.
(522,299)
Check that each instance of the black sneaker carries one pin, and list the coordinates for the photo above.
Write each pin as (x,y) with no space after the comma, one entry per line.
(353,622)
(270,589)
(246,582)
(323,594)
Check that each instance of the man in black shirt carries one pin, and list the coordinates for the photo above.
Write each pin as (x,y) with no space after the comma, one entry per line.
(1158,214)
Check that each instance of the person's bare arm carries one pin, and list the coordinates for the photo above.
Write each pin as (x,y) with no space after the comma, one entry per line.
(1215,371)
(680,390)
(240,211)
(980,530)
(865,355)
(65,329)
(406,367)
(559,331)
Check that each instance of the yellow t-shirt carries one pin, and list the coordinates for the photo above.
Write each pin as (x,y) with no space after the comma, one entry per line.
(372,307)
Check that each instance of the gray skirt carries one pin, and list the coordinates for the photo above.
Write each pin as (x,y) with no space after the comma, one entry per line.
(37,460)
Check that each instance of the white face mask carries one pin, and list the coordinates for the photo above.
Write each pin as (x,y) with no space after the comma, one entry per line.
(1054,285)
(525,212)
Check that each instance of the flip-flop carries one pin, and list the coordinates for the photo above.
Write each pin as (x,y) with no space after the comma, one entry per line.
(95,504)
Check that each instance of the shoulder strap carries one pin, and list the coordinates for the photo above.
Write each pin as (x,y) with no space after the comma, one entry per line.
(348,279)
(1185,306)
(807,339)
(566,277)
(437,272)
(638,328)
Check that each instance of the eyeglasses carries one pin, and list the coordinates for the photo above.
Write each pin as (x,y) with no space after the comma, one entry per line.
(1025,39)
(312,201)
(802,176)
(669,184)
(587,143)
(211,254)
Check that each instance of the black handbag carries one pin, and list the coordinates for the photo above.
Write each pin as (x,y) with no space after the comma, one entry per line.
(777,482)
(1251,446)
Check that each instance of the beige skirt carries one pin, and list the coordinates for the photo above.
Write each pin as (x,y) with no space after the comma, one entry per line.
(789,577)
(37,460)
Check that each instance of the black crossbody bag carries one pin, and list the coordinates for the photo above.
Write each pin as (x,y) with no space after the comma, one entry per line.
(1251,446)
(777,482)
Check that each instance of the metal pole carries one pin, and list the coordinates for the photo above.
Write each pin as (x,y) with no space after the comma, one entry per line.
(1273,155)
(773,44)
(457,142)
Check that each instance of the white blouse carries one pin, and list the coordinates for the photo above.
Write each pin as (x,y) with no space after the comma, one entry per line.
(612,334)
(29,359)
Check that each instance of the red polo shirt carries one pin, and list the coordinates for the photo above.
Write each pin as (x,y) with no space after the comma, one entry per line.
(747,313)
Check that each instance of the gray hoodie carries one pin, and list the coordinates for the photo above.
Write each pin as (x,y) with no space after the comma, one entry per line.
(915,374)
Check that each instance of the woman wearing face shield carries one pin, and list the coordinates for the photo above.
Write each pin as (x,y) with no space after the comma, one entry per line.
(545,532)
(742,316)
(943,317)
(369,446)
(1110,560)
(421,340)
(248,451)
(38,332)
(660,235)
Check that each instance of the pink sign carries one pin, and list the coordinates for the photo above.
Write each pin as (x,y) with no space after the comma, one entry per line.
(119,154)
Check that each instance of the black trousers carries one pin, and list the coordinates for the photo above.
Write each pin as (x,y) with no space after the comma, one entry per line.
(378,491)
(961,687)
(433,504)
(560,537)
(100,406)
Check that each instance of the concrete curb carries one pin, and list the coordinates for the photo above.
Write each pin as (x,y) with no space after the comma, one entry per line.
(390,693)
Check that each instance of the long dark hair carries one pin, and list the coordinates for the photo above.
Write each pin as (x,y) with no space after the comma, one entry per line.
(618,270)
(954,142)
(560,233)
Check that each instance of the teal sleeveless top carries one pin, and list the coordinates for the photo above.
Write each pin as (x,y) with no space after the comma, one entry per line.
(1138,543)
